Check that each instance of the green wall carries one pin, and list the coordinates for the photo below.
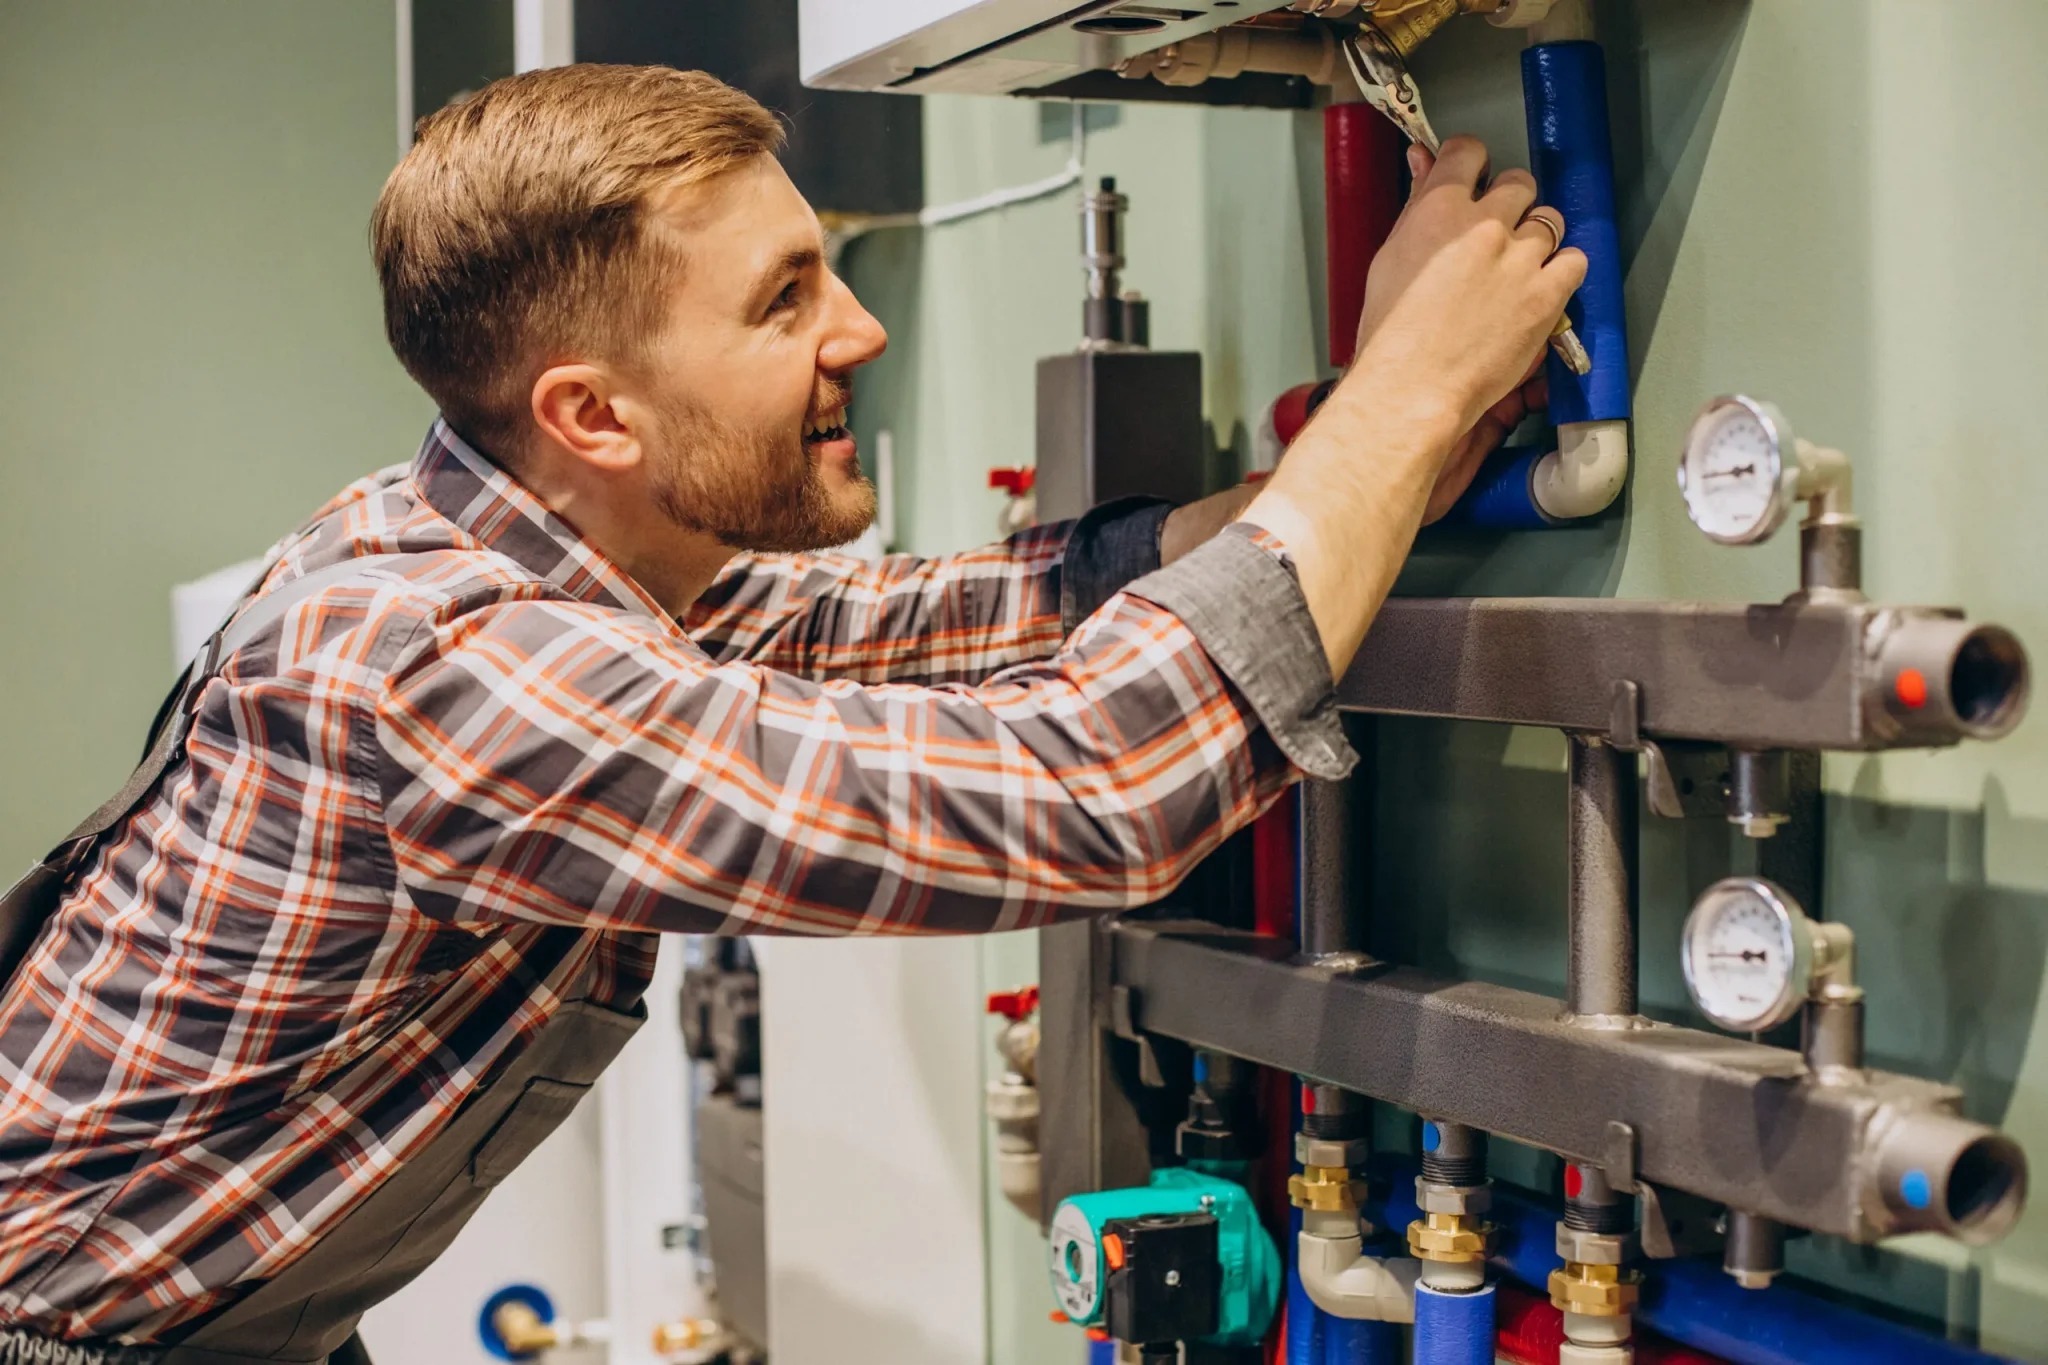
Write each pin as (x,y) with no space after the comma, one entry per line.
(1835,204)
(191,358)
(1216,238)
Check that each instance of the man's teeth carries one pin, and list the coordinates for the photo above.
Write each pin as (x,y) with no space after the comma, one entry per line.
(828,425)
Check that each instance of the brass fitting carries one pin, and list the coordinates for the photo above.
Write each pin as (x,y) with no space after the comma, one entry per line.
(1408,22)
(1597,1291)
(687,1335)
(1326,1189)
(522,1331)
(1454,1238)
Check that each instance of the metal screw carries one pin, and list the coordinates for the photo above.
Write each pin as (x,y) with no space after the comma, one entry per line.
(1172,1278)
(1208,1202)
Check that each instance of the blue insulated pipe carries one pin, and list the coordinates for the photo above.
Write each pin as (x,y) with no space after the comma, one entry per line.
(1502,498)
(1350,1342)
(1693,1302)
(1564,93)
(1453,1329)
(1304,1320)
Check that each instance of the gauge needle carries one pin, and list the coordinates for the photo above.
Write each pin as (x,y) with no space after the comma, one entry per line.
(1740,471)
(1752,955)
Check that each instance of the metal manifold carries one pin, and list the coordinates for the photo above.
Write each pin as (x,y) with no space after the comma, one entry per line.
(1806,1137)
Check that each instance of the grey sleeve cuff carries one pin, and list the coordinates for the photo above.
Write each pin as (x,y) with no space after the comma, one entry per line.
(1109,547)
(1244,604)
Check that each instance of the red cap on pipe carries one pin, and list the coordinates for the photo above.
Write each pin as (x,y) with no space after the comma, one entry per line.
(1364,175)
(1290,411)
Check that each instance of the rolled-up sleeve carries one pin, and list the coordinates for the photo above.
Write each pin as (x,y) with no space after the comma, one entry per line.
(554,761)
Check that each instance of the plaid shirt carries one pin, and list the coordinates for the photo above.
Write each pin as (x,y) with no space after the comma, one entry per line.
(431,800)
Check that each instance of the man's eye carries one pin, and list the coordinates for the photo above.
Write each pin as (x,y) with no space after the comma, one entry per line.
(786,299)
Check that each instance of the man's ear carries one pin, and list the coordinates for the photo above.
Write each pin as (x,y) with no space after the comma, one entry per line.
(579,410)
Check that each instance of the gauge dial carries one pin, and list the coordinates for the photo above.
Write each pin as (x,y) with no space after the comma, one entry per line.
(1748,954)
(1737,480)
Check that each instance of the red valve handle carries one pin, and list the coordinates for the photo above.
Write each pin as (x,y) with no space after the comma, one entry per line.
(1015,482)
(1014,1005)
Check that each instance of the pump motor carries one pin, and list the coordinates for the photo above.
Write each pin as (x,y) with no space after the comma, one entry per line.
(1139,1261)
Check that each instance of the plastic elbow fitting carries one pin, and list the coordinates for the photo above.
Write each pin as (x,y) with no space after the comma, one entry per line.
(1345,1283)
(1584,475)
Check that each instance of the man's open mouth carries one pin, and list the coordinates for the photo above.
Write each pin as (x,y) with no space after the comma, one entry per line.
(829,426)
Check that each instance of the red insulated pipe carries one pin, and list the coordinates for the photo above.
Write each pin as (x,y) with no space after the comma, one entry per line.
(1364,164)
(1528,1331)
(1273,913)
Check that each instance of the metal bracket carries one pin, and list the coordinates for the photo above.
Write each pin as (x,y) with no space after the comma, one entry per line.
(1677,1224)
(1618,1155)
(1625,717)
(1123,1022)
(1685,778)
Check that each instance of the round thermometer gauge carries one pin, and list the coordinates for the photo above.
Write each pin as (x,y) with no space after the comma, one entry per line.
(1748,954)
(1740,470)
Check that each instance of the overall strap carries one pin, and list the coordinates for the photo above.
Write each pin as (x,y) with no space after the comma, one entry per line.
(29,903)
(238,629)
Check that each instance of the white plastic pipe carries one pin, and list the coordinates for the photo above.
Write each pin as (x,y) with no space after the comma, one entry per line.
(1586,471)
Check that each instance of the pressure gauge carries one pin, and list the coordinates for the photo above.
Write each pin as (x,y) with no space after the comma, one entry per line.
(1748,954)
(1740,470)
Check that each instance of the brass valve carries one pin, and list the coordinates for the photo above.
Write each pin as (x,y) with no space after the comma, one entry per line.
(1453,1238)
(1407,22)
(1326,1189)
(685,1335)
(1597,1291)
(522,1331)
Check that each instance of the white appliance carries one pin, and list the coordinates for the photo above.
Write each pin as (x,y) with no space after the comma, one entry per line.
(990,47)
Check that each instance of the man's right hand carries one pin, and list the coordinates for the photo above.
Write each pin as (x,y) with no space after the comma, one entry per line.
(1459,305)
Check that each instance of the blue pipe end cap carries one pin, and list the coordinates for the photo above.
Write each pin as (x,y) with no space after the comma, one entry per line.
(533,1296)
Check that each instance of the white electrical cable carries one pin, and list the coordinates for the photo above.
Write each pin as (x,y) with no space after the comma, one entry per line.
(1069,175)
(935,215)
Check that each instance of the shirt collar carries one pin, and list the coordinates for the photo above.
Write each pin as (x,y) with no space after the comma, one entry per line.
(504,516)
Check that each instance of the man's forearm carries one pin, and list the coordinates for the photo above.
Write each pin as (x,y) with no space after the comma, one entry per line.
(1189,526)
(1348,523)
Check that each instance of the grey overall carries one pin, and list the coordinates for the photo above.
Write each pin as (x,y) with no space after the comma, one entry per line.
(309,1312)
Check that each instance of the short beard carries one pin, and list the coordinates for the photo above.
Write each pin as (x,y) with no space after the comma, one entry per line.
(752,492)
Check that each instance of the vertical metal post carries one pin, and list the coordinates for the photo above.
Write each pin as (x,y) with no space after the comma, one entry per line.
(1600,872)
(1333,849)
(1333,919)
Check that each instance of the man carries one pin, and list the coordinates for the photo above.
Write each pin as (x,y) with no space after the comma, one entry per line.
(384,901)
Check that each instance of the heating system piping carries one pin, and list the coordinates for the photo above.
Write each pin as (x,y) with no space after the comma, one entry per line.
(1691,1302)
(1343,1303)
(1571,153)
(1564,94)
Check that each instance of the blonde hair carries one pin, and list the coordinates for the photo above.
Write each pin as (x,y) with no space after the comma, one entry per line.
(512,234)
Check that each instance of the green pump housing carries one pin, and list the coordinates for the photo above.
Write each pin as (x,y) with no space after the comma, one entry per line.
(1250,1262)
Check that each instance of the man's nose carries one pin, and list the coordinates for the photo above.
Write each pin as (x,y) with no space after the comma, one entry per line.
(854,337)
